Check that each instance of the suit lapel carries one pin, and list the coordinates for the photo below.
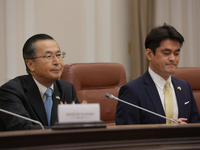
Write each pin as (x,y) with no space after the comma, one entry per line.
(34,97)
(180,96)
(56,100)
(154,96)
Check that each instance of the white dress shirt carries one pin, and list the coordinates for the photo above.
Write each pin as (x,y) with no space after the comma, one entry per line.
(160,83)
(42,89)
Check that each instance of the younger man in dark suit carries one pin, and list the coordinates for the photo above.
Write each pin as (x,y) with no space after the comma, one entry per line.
(150,91)
(37,94)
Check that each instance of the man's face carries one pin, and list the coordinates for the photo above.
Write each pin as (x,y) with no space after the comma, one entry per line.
(46,72)
(166,58)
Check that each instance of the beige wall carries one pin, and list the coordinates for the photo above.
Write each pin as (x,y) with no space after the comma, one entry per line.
(2,41)
(87,30)
(65,21)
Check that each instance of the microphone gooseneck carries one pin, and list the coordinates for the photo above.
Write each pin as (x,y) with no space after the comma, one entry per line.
(115,98)
(22,117)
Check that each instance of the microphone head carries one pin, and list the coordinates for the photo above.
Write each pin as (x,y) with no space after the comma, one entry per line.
(110,96)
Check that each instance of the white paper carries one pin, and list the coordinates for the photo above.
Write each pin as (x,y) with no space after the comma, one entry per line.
(70,113)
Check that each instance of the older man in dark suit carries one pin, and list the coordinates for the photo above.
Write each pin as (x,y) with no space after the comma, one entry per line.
(37,94)
(157,90)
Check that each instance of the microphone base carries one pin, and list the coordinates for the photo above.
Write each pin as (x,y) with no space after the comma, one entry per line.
(78,125)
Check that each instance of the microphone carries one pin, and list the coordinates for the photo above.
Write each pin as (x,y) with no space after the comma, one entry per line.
(115,98)
(22,117)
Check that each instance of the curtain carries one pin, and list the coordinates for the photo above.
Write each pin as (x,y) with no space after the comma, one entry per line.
(142,21)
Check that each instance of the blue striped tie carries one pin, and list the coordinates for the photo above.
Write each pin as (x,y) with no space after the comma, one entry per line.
(48,104)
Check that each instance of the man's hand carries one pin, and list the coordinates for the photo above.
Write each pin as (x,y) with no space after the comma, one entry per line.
(181,120)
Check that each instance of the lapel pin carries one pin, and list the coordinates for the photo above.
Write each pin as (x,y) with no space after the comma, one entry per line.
(179,88)
(57,97)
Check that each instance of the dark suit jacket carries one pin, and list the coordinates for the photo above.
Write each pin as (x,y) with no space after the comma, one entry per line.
(143,92)
(21,96)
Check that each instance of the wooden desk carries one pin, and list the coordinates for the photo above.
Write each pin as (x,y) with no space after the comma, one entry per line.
(113,137)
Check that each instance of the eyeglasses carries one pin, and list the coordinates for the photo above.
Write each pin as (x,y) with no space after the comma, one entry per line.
(49,57)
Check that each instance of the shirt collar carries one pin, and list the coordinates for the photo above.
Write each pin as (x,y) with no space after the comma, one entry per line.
(158,80)
(42,88)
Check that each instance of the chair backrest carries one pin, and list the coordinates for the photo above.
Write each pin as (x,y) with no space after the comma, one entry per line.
(192,75)
(93,80)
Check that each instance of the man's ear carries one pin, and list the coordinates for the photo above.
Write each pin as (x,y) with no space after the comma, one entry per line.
(149,54)
(30,63)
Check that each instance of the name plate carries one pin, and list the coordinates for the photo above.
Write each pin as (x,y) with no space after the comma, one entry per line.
(71,113)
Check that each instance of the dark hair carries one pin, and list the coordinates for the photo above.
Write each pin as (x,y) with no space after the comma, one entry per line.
(158,34)
(29,49)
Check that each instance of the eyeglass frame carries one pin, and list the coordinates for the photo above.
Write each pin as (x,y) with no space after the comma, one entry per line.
(52,56)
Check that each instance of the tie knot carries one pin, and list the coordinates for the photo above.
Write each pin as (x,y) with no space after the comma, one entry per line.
(167,84)
(48,92)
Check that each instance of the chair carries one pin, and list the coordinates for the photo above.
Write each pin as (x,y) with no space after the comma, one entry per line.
(192,75)
(93,80)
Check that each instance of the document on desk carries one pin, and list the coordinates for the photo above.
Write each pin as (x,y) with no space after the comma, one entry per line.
(71,113)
